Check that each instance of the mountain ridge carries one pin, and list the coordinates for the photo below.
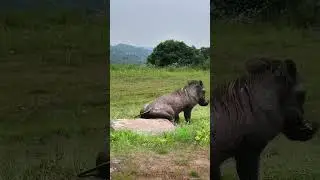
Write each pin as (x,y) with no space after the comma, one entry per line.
(129,54)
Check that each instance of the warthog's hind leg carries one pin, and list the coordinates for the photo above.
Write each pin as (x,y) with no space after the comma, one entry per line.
(160,115)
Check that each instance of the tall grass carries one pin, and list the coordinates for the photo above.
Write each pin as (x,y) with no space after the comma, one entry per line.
(52,95)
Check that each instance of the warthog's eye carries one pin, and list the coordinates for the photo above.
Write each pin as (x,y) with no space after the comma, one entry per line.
(200,87)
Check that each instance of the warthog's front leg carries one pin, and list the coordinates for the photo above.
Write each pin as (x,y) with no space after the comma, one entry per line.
(176,118)
(247,164)
(187,115)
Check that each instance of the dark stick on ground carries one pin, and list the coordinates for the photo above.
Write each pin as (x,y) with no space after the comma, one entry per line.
(101,170)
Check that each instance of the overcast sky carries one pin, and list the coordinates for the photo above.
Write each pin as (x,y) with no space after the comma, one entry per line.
(148,22)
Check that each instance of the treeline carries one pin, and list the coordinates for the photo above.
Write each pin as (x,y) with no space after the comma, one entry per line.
(301,13)
(177,54)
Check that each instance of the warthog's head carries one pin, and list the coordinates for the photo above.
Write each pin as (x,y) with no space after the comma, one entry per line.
(291,97)
(197,92)
(296,128)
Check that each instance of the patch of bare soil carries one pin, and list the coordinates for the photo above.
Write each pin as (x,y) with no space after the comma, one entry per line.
(192,164)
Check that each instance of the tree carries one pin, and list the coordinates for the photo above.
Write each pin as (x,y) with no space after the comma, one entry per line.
(172,52)
(205,52)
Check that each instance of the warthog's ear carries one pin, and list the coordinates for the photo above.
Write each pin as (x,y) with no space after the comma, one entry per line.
(257,65)
(285,68)
(276,66)
(291,68)
(200,82)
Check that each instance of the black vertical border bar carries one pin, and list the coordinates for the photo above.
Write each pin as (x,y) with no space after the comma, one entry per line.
(211,83)
(106,41)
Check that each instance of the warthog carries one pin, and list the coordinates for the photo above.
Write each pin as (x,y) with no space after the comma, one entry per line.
(170,105)
(247,113)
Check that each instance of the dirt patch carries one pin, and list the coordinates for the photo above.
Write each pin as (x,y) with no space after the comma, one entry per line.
(193,164)
(149,126)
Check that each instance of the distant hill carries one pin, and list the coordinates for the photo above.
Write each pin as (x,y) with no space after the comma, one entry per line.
(128,54)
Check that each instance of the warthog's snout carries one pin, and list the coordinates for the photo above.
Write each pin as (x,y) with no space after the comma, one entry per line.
(302,132)
(203,102)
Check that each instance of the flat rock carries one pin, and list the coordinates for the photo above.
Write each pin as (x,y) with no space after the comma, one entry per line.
(149,126)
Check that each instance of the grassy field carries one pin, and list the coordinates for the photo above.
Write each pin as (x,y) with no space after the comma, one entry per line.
(170,155)
(233,44)
(52,99)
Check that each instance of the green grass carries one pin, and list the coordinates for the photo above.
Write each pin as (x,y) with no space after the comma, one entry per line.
(132,86)
(52,103)
(233,44)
